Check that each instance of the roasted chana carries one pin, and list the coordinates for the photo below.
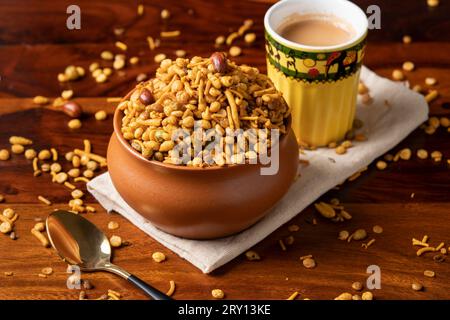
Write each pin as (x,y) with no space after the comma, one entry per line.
(190,95)
(358,286)
(408,66)
(5,227)
(405,154)
(165,14)
(252,255)
(17,148)
(4,154)
(74,124)
(235,51)
(100,115)
(55,167)
(340,149)
(398,75)
(367,295)
(250,37)
(20,140)
(67,94)
(217,294)
(9,213)
(134,60)
(115,241)
(381,165)
(430,81)
(344,296)
(343,235)
(44,154)
(220,40)
(159,57)
(416,286)
(377,229)
(309,263)
(359,234)
(113,225)
(158,257)
(30,154)
(41,100)
(107,55)
(74,172)
(422,154)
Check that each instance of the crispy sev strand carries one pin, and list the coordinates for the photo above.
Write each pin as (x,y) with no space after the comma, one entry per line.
(54,154)
(44,200)
(14,219)
(231,38)
(113,99)
(354,176)
(293,296)
(40,237)
(92,156)
(84,179)
(424,249)
(264,91)
(368,244)
(230,119)
(243,29)
(114,293)
(234,110)
(282,245)
(121,45)
(170,34)
(151,43)
(113,296)
(249,118)
(200,90)
(425,239)
(69,185)
(416,242)
(431,96)
(350,237)
(171,288)
(87,146)
(440,246)
(35,164)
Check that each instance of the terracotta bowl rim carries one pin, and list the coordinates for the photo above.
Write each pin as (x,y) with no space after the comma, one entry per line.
(116,124)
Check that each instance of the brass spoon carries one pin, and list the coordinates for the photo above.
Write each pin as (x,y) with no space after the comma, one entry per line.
(79,242)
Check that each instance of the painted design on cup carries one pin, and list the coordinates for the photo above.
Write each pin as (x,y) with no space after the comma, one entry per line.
(315,67)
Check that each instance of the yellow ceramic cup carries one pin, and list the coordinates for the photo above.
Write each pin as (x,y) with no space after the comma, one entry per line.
(320,84)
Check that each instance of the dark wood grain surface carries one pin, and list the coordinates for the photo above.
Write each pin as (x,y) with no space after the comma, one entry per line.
(35,45)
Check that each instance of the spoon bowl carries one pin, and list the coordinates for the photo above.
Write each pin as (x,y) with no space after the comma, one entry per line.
(79,242)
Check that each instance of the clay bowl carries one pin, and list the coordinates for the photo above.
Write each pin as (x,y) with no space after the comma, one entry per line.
(198,203)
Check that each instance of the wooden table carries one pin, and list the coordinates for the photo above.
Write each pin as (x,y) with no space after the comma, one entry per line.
(35,46)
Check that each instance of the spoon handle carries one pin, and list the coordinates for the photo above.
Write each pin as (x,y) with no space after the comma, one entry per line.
(148,289)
